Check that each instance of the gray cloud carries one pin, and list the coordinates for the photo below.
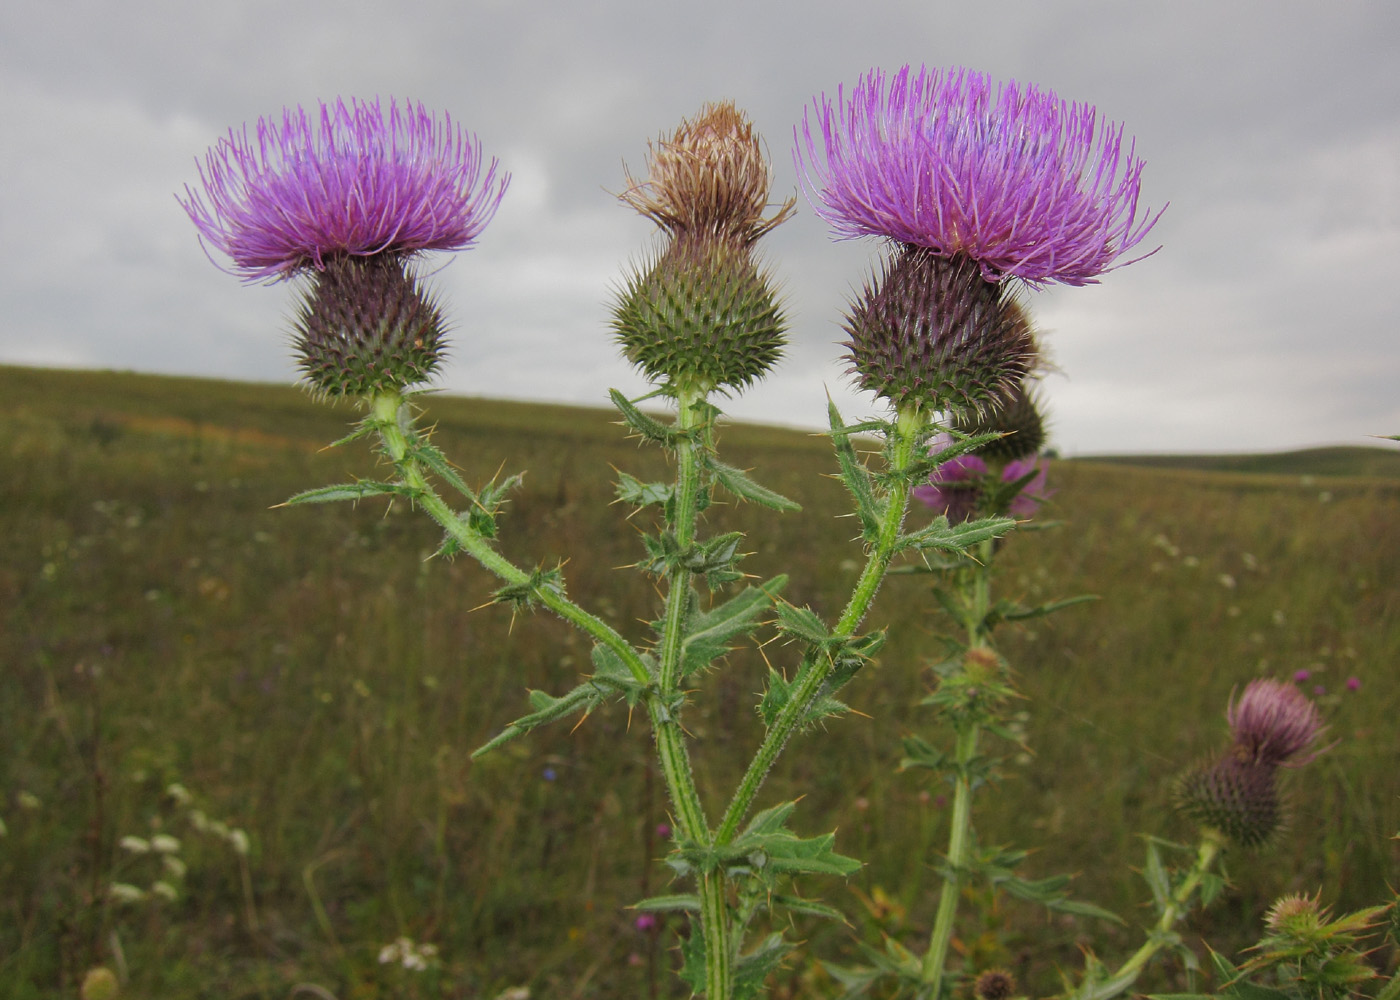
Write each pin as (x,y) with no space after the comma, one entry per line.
(1272,128)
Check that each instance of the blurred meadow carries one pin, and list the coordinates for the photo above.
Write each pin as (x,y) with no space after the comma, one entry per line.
(309,679)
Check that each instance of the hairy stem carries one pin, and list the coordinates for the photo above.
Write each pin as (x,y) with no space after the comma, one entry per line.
(1159,937)
(816,668)
(979,598)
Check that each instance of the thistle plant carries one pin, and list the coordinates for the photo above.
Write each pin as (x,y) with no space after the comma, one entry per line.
(1023,192)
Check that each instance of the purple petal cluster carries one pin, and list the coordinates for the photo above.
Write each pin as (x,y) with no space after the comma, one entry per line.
(955,487)
(356,179)
(1273,723)
(1024,183)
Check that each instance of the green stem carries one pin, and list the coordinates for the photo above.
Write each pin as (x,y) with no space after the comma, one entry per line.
(959,842)
(1176,908)
(979,599)
(815,668)
(385,414)
(715,920)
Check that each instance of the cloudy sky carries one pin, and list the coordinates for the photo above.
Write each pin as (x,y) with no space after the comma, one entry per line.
(1267,321)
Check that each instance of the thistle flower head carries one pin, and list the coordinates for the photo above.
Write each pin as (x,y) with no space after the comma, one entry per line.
(1237,797)
(366,326)
(702,313)
(994,984)
(929,331)
(1273,723)
(958,487)
(711,177)
(1297,915)
(355,180)
(1012,177)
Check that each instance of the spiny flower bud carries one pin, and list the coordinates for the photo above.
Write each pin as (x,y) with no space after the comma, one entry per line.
(1018,419)
(711,177)
(1296,916)
(994,984)
(931,331)
(703,314)
(366,326)
(1237,797)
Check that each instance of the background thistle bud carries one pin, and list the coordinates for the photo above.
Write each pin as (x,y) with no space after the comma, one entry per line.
(1237,797)
(366,326)
(1271,725)
(931,331)
(702,314)
(994,984)
(1018,418)
(711,176)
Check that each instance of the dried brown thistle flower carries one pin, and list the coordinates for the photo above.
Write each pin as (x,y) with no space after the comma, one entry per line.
(711,178)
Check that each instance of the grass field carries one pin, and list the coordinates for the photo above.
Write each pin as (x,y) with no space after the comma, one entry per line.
(315,683)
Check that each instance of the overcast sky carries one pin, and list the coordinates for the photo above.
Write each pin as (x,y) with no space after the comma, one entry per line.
(1267,321)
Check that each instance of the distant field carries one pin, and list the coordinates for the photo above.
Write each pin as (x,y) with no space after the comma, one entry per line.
(1376,461)
(314,682)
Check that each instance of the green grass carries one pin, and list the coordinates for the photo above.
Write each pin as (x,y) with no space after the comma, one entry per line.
(311,679)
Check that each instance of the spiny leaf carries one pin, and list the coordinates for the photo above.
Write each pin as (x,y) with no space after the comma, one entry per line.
(547,708)
(802,623)
(736,481)
(855,476)
(432,456)
(652,430)
(639,494)
(939,534)
(668,904)
(352,491)
(708,633)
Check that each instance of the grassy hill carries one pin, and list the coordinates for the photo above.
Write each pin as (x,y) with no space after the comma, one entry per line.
(311,679)
(1373,462)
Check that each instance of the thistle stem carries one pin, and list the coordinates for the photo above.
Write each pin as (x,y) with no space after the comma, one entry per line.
(979,598)
(816,668)
(385,415)
(715,920)
(1159,937)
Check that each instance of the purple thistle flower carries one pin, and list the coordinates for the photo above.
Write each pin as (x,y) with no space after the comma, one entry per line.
(1353,683)
(356,181)
(955,488)
(1020,181)
(1273,723)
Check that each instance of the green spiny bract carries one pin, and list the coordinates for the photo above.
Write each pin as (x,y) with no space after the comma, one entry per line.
(930,331)
(703,315)
(366,326)
(1019,421)
(1236,796)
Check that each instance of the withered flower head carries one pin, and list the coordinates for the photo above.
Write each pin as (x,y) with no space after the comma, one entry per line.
(711,178)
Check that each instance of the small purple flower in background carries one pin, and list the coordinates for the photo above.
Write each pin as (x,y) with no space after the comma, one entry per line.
(1353,683)
(663,831)
(1319,690)
(646,922)
(1014,178)
(354,181)
(955,488)
(1299,676)
(549,774)
(1273,723)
